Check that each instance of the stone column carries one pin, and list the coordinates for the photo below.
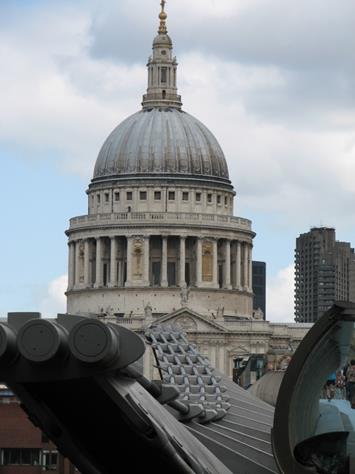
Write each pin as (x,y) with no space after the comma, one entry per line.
(212,353)
(251,268)
(121,262)
(77,263)
(164,262)
(199,262)
(182,261)
(227,265)
(245,266)
(71,265)
(113,262)
(215,264)
(222,356)
(237,267)
(229,368)
(146,261)
(86,263)
(98,281)
(128,281)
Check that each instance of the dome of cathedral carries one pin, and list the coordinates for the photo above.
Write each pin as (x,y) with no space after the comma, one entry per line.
(164,142)
(161,140)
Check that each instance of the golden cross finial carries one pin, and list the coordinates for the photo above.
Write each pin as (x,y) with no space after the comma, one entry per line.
(162,16)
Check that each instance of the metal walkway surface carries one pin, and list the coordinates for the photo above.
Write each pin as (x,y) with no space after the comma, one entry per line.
(236,426)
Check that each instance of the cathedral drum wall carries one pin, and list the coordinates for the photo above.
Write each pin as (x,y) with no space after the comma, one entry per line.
(142,302)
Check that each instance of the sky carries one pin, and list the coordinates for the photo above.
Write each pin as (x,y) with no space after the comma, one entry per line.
(274,80)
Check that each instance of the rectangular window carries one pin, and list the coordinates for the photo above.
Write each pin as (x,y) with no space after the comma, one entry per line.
(19,456)
(164,74)
(143,195)
(49,460)
(209,198)
(219,198)
(98,197)
(198,197)
(171,195)
(225,200)
(26,457)
(185,196)
(156,273)
(171,274)
(157,195)
(129,195)
(107,197)
(117,196)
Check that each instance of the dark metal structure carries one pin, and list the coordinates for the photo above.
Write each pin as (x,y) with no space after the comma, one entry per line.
(74,379)
(306,436)
(80,381)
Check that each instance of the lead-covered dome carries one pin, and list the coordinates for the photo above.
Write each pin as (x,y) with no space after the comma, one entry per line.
(161,141)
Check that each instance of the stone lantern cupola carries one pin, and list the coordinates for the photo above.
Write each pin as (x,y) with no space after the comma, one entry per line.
(162,70)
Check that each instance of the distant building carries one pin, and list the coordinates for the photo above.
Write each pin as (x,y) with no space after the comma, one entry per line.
(23,447)
(259,287)
(324,273)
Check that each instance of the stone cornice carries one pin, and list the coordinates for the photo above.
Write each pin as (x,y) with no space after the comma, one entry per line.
(199,226)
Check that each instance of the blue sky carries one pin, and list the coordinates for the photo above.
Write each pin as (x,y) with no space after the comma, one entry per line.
(38,200)
(273,80)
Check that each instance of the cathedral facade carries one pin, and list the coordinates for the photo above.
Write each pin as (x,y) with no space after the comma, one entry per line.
(160,241)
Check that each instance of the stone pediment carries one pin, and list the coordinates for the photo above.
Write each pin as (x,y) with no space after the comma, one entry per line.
(190,321)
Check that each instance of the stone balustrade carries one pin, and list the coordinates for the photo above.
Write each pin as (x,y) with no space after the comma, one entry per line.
(133,323)
(185,218)
(252,326)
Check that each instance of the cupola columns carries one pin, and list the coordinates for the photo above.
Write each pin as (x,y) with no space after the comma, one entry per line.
(162,70)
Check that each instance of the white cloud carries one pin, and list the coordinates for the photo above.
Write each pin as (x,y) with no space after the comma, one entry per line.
(55,300)
(302,171)
(277,93)
(283,152)
(280,296)
(56,100)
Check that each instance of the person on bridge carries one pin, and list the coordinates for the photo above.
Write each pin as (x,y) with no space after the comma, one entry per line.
(350,376)
(339,385)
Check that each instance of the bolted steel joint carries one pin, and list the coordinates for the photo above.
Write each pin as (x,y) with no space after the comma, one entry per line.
(94,342)
(43,341)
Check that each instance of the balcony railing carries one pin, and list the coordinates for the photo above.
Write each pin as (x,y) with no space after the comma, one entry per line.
(146,218)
